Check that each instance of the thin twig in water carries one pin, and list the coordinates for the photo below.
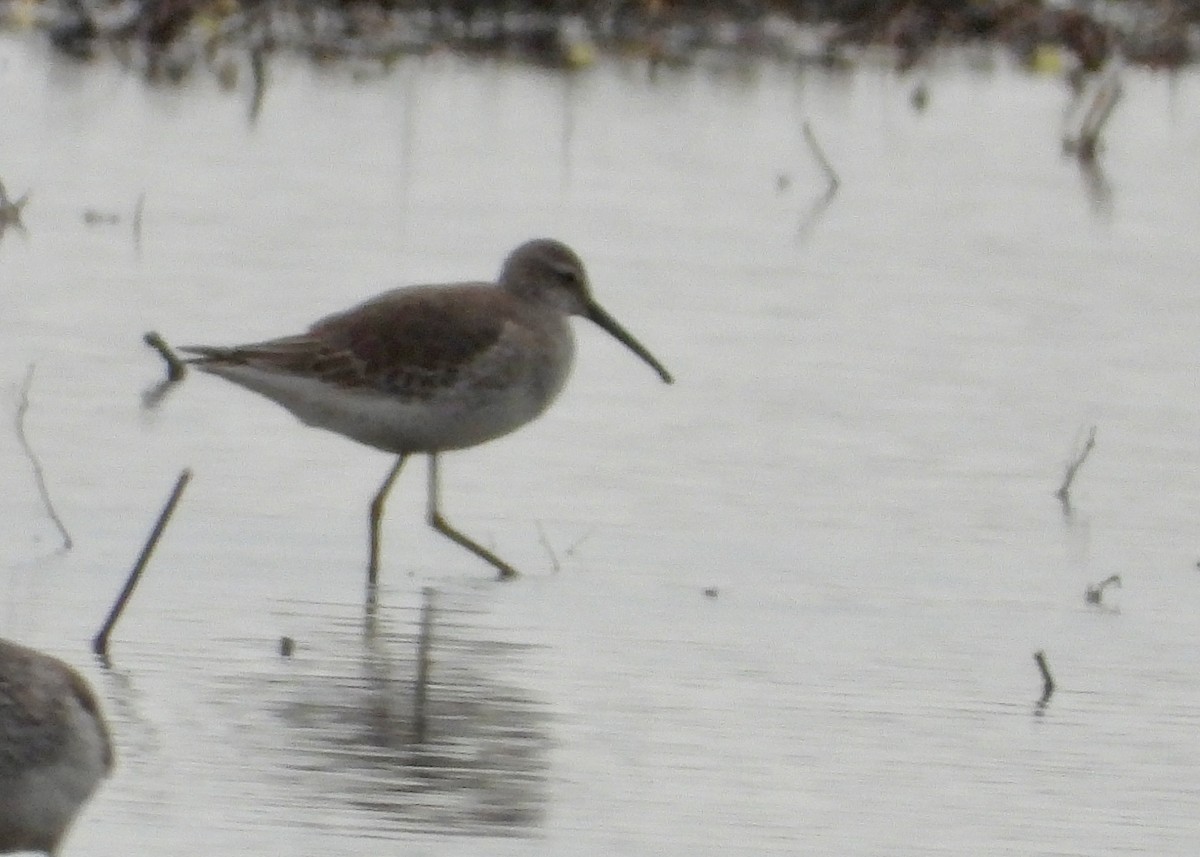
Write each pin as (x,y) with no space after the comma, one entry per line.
(1093,109)
(176,368)
(100,642)
(1096,185)
(832,184)
(818,153)
(10,210)
(138,208)
(1095,594)
(813,215)
(579,541)
(1064,490)
(258,70)
(1047,679)
(554,564)
(38,475)
(176,372)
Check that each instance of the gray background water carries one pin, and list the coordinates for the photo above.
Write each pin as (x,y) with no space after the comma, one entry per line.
(874,407)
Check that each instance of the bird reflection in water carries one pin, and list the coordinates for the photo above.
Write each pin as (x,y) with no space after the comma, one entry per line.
(420,734)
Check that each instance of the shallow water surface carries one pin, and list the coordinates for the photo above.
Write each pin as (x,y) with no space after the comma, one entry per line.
(875,401)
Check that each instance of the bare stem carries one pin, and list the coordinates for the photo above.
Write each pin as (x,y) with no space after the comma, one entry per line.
(176,368)
(138,208)
(546,544)
(1047,680)
(579,542)
(819,205)
(38,475)
(1064,490)
(1097,103)
(569,552)
(258,69)
(819,154)
(100,642)
(1094,594)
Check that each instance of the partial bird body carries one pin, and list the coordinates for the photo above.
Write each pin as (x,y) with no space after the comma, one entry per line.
(415,370)
(54,748)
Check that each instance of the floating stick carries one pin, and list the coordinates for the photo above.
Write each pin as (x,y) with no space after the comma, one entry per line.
(579,541)
(100,642)
(38,475)
(1047,679)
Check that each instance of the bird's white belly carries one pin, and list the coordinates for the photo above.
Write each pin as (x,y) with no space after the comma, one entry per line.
(479,407)
(392,424)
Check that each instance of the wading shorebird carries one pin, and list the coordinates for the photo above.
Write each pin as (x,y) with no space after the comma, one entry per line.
(428,369)
(54,749)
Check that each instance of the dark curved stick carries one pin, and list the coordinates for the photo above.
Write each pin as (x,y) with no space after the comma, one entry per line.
(176,368)
(1047,679)
(1064,491)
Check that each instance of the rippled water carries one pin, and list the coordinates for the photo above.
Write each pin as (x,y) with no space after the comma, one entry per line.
(875,402)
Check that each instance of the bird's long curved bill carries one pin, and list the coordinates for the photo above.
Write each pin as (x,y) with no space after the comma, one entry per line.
(597,315)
